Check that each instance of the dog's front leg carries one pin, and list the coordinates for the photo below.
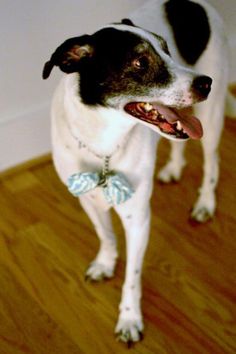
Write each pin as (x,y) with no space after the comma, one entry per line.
(137,224)
(103,265)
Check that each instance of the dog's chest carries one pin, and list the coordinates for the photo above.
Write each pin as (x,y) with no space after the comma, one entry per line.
(82,139)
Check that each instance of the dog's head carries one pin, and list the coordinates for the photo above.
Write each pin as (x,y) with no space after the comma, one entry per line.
(130,69)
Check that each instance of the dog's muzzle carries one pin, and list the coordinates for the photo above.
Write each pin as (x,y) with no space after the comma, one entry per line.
(168,121)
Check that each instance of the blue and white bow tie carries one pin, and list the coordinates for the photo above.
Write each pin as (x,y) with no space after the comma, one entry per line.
(115,187)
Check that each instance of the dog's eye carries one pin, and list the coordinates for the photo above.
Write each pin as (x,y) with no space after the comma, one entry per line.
(141,62)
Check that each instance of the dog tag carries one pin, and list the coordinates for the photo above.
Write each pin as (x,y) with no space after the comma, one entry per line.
(117,189)
(80,183)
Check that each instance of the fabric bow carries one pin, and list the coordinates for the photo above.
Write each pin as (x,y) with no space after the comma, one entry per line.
(115,187)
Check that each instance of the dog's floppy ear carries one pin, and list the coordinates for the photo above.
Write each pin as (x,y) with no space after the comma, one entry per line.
(69,54)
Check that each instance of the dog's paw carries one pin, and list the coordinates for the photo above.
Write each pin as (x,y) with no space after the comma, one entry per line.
(98,272)
(170,173)
(203,210)
(202,214)
(129,331)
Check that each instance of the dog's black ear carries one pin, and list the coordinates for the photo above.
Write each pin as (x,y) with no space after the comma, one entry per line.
(68,55)
(127,21)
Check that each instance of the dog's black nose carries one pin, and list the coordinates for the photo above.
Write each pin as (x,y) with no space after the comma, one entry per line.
(202,85)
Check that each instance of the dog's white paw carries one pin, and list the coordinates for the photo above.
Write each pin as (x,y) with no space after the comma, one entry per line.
(129,330)
(171,172)
(98,271)
(204,209)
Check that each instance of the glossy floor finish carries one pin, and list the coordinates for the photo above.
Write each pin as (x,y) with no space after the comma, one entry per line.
(189,276)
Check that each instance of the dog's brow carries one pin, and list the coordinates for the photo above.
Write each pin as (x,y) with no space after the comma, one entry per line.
(161,41)
(143,46)
(144,35)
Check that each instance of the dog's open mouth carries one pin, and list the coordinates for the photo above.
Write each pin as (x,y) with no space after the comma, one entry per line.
(169,122)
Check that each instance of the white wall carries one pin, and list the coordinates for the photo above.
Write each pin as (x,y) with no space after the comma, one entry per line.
(227,9)
(29,32)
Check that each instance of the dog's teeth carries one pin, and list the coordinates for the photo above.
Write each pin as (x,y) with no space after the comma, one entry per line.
(155,114)
(179,126)
(148,107)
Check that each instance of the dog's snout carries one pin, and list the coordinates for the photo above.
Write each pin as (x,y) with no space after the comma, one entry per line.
(202,85)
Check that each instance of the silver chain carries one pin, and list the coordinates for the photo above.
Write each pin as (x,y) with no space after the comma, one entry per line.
(106,162)
(105,171)
(82,145)
(106,159)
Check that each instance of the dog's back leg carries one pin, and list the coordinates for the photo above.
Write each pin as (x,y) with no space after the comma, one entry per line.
(212,113)
(104,264)
(172,171)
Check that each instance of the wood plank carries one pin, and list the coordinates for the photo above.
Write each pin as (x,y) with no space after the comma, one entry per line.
(39,160)
(189,277)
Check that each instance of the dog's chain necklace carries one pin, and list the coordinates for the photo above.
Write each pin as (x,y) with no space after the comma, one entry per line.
(115,187)
(106,172)
(106,163)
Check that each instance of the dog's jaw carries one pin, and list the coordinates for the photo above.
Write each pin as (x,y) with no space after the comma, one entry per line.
(171,123)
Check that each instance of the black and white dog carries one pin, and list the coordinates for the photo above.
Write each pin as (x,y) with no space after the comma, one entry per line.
(125,84)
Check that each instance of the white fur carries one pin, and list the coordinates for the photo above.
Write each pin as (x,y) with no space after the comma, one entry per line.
(81,136)
(214,62)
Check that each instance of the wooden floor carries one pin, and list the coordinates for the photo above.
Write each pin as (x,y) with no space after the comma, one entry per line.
(189,278)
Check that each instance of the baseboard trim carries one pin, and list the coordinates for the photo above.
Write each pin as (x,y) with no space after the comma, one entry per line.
(38,161)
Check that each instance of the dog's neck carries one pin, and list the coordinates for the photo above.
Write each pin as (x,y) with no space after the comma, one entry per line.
(103,130)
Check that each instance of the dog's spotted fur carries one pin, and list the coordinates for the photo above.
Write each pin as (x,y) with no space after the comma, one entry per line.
(119,64)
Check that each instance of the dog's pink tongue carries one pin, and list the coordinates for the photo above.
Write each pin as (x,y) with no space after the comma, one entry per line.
(191,125)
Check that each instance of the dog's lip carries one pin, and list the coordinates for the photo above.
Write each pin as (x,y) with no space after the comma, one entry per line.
(159,114)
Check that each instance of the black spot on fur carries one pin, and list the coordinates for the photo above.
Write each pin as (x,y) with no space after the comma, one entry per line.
(190,27)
